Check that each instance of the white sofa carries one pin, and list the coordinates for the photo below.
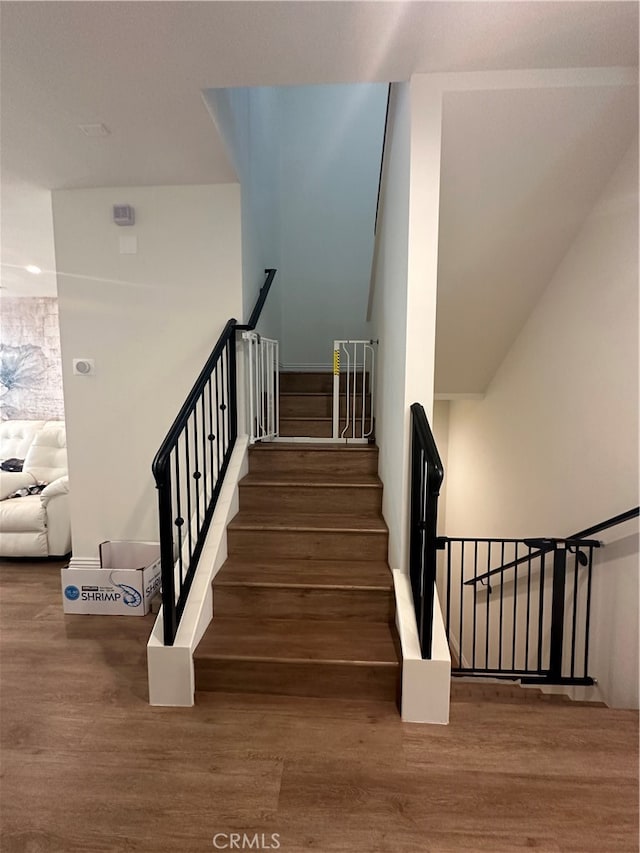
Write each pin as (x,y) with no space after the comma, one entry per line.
(36,525)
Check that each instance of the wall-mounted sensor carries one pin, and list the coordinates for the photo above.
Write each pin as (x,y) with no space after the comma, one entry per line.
(84,367)
(123,214)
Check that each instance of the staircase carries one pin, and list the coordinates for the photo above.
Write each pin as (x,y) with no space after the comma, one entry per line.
(306,405)
(304,603)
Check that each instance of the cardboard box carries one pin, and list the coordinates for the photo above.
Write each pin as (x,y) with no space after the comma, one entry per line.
(125,583)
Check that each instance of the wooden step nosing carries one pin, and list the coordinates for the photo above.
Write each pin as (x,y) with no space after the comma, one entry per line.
(346,662)
(308,484)
(247,526)
(283,447)
(231,584)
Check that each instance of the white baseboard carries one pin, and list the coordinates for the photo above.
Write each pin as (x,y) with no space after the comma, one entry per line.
(84,563)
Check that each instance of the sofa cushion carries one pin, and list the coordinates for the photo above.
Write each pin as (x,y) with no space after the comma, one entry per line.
(46,459)
(23,515)
(16,437)
(11,481)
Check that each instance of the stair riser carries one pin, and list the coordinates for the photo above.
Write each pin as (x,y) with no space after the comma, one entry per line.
(319,428)
(332,545)
(348,500)
(320,680)
(328,462)
(317,383)
(320,406)
(294,603)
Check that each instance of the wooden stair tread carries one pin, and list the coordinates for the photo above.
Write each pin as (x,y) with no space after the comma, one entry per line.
(307,478)
(308,521)
(319,574)
(303,641)
(322,447)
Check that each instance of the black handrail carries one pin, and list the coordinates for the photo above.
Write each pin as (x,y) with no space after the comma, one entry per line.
(384,146)
(610,522)
(187,407)
(262,298)
(576,540)
(190,466)
(427,474)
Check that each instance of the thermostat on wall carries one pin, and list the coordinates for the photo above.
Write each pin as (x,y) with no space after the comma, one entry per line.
(123,214)
(84,366)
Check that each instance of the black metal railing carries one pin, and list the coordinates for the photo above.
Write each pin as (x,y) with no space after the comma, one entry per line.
(518,608)
(513,608)
(426,478)
(190,466)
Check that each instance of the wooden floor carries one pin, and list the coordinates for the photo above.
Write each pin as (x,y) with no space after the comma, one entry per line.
(88,766)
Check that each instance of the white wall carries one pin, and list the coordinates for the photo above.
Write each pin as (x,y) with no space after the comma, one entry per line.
(330,143)
(389,317)
(149,320)
(553,446)
(308,160)
(404,287)
(248,120)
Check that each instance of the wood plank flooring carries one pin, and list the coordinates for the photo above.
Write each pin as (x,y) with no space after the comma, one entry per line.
(88,767)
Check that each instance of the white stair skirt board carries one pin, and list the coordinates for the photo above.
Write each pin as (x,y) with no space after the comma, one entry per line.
(426,684)
(170,668)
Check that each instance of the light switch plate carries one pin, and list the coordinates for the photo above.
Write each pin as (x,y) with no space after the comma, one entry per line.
(128,244)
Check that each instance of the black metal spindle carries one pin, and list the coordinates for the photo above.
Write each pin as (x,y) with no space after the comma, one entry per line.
(574,612)
(448,546)
(557,612)
(188,488)
(526,643)
(541,611)
(486,650)
(515,609)
(223,404)
(501,605)
(233,392)
(204,447)
(475,604)
(178,519)
(462,544)
(196,473)
(588,615)
(165,512)
(218,437)
(211,436)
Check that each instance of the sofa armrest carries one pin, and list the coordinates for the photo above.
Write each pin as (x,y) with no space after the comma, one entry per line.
(11,481)
(58,487)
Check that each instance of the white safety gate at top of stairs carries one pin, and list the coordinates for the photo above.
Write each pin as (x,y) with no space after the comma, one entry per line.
(353,391)
(263,386)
